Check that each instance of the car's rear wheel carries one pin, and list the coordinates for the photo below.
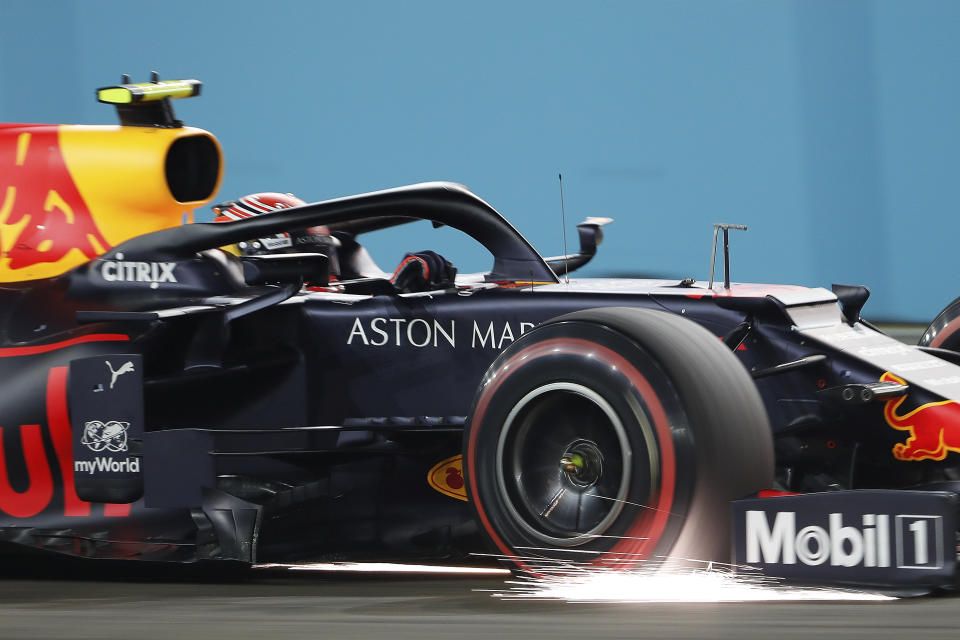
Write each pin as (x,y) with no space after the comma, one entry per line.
(612,436)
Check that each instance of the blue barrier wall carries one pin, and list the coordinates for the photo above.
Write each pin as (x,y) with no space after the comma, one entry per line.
(829,128)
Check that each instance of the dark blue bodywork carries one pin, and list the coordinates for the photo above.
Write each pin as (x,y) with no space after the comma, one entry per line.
(283,422)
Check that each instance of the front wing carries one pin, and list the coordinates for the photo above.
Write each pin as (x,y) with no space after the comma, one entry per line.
(896,539)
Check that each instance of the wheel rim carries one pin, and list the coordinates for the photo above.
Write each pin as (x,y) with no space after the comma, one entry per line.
(564,464)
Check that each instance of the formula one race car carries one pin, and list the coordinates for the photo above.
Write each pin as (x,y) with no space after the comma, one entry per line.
(164,398)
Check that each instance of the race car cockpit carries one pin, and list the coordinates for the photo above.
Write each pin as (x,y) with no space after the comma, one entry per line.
(417,271)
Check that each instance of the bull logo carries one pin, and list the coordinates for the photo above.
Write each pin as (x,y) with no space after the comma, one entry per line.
(934,427)
(43,217)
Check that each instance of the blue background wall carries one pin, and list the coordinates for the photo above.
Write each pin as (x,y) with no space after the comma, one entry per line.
(830,128)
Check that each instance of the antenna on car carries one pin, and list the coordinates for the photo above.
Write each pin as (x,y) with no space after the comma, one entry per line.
(717,226)
(563,223)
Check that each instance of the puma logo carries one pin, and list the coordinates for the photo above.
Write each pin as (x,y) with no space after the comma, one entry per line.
(126,367)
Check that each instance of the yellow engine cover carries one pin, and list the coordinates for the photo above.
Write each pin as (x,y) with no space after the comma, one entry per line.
(68,193)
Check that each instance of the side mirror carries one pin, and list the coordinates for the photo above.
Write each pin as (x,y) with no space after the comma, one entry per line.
(591,235)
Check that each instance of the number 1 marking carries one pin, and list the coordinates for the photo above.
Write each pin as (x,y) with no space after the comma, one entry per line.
(919,529)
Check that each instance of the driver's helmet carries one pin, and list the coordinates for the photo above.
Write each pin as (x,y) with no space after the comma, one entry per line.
(309,240)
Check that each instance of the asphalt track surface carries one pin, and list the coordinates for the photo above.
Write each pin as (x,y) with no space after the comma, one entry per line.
(54,600)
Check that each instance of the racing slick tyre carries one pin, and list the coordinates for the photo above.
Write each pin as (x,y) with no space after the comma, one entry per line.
(944,331)
(611,437)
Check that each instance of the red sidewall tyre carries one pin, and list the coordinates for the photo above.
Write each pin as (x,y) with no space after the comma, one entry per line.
(944,331)
(635,397)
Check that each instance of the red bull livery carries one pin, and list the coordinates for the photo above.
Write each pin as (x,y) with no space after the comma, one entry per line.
(169,395)
(934,427)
